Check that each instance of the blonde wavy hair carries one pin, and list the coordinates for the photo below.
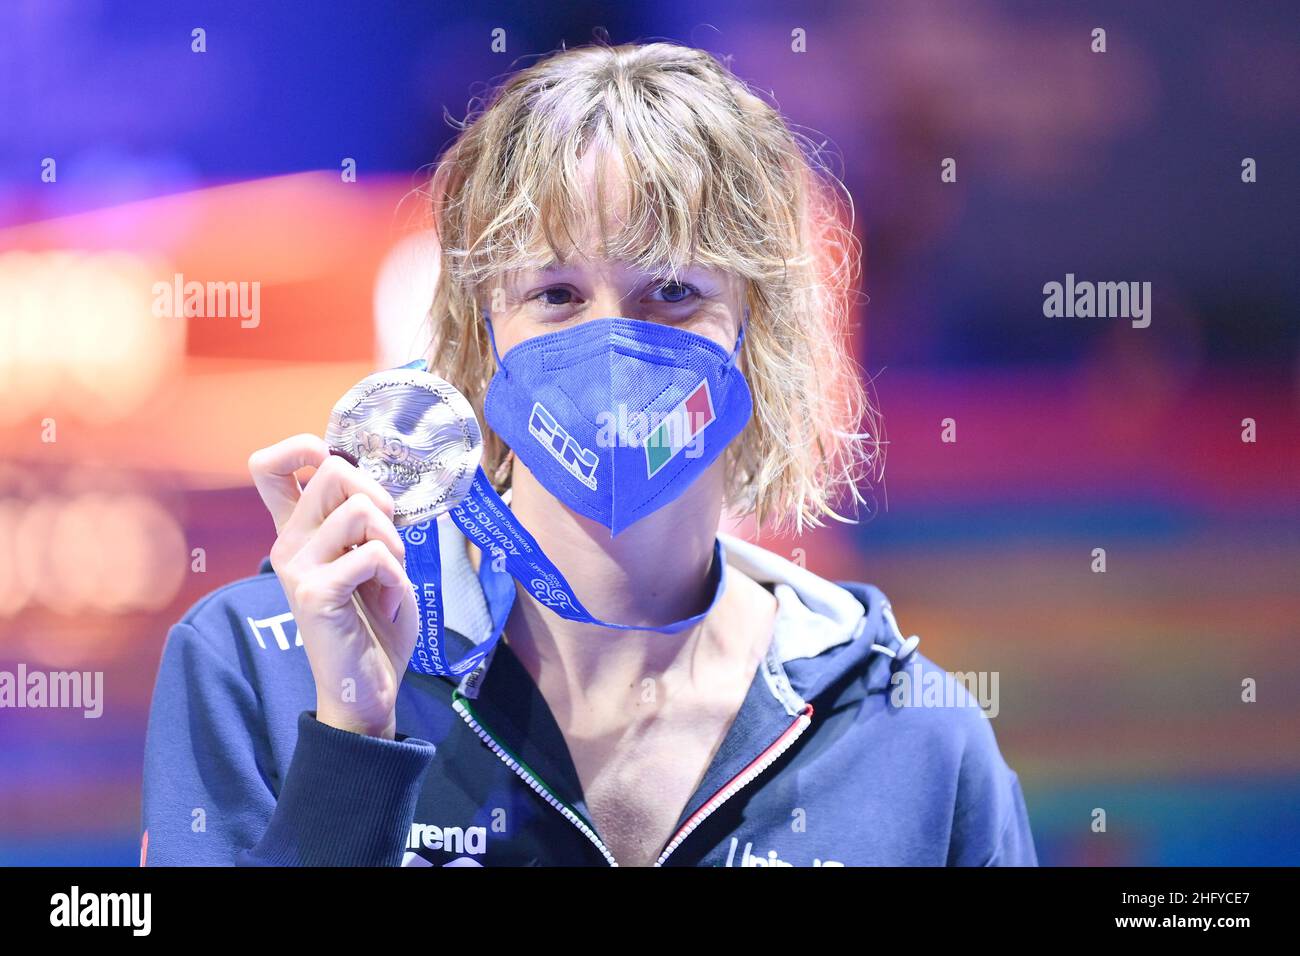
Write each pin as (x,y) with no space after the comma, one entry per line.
(716,177)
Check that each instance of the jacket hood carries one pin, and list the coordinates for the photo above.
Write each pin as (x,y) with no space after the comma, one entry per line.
(837,627)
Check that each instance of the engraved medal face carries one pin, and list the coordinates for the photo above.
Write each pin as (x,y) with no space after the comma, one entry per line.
(415,434)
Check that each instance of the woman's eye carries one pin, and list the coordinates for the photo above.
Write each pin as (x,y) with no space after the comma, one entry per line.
(557,295)
(677,291)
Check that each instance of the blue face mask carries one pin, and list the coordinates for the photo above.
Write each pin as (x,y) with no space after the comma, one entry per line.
(616,417)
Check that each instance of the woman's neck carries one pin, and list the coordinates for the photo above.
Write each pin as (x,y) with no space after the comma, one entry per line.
(653,573)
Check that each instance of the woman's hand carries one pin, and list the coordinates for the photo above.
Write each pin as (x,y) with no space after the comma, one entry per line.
(357,670)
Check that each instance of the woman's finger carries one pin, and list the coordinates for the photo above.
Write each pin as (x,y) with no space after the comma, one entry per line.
(335,482)
(272,469)
(330,586)
(354,522)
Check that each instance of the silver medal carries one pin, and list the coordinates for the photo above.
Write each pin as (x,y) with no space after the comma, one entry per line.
(415,434)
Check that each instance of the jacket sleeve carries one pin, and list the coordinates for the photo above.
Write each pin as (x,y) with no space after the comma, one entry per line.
(346,799)
(1016,846)
(991,821)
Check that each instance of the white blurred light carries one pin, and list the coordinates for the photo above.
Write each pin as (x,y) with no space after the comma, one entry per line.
(77,331)
(102,552)
(403,294)
(15,588)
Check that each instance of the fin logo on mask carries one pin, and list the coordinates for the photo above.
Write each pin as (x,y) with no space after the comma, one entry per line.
(578,461)
(679,429)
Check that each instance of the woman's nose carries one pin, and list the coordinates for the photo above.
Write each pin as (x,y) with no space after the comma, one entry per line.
(608,303)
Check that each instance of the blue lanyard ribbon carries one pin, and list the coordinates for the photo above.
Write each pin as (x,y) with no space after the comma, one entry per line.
(510,554)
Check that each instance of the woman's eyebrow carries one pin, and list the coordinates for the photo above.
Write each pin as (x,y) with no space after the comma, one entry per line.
(529,273)
(547,268)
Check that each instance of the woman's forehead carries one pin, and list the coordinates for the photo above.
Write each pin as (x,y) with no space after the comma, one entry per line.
(610,213)
(597,263)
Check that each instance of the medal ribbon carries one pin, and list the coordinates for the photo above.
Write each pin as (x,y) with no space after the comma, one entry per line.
(510,554)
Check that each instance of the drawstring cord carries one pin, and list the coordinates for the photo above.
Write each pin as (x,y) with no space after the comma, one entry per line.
(906,648)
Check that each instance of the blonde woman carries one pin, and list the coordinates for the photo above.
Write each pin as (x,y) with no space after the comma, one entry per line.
(622,229)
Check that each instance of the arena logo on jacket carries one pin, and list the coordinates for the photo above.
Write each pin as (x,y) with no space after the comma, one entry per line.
(465,842)
(414,859)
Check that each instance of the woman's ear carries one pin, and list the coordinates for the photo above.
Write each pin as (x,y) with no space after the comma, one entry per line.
(742,336)
(504,471)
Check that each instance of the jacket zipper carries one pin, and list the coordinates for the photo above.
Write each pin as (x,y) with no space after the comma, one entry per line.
(458,703)
(740,780)
(728,790)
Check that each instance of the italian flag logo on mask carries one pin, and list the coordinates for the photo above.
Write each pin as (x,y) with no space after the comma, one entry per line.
(679,429)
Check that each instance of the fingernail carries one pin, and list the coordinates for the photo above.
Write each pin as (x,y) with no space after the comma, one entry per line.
(345,455)
(397,612)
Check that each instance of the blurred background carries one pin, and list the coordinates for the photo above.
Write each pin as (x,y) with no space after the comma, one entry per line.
(127,158)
